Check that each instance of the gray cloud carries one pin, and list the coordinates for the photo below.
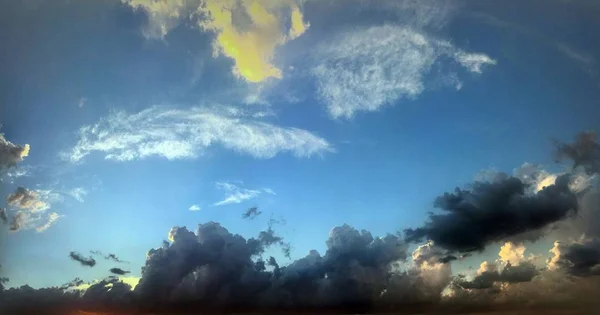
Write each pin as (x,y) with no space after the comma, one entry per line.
(494,211)
(84,261)
(579,258)
(584,152)
(119,271)
(251,213)
(3,216)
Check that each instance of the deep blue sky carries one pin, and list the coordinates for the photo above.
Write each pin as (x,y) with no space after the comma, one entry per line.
(379,168)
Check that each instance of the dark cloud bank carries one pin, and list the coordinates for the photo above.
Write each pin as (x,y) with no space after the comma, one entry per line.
(213,270)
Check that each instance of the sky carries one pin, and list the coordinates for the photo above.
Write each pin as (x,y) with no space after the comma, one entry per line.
(295,124)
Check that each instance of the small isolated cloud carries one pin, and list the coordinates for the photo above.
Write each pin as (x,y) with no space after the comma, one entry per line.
(109,256)
(251,213)
(187,133)
(119,271)
(84,261)
(370,68)
(78,193)
(195,208)
(246,31)
(10,153)
(236,194)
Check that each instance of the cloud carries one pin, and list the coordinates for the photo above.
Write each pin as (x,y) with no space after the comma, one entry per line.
(109,256)
(78,193)
(195,208)
(251,213)
(50,220)
(84,261)
(119,271)
(511,253)
(3,216)
(581,258)
(187,133)
(584,152)
(367,69)
(11,154)
(26,199)
(237,194)
(494,211)
(246,31)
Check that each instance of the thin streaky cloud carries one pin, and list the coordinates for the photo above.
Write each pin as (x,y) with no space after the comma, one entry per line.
(375,67)
(235,193)
(188,133)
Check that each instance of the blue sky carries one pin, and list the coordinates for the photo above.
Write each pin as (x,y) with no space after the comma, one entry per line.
(379,107)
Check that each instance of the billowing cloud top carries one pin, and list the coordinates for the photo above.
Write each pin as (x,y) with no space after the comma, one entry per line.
(246,31)
(11,154)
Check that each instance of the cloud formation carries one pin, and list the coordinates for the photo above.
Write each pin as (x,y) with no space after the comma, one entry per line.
(246,31)
(367,69)
(84,261)
(584,152)
(236,194)
(25,199)
(494,211)
(31,206)
(10,153)
(251,213)
(194,208)
(187,133)
(118,271)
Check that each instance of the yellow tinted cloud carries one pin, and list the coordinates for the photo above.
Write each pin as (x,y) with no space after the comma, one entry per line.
(25,152)
(249,31)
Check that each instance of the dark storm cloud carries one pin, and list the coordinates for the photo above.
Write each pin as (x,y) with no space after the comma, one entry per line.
(251,213)
(584,152)
(523,272)
(119,271)
(10,153)
(494,211)
(84,261)
(3,216)
(447,259)
(580,259)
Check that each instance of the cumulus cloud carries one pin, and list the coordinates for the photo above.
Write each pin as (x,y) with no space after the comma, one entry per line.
(251,213)
(84,261)
(494,211)
(584,152)
(194,208)
(367,69)
(581,258)
(26,199)
(246,31)
(187,133)
(236,194)
(10,153)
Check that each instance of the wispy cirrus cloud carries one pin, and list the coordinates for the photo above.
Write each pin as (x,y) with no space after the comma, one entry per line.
(79,193)
(187,133)
(367,69)
(235,193)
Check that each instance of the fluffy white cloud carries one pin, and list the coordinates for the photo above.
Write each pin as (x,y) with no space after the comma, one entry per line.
(367,69)
(187,133)
(237,194)
(195,208)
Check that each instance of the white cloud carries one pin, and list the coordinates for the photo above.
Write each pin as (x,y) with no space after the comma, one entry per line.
(367,69)
(50,220)
(78,193)
(187,133)
(237,194)
(195,208)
